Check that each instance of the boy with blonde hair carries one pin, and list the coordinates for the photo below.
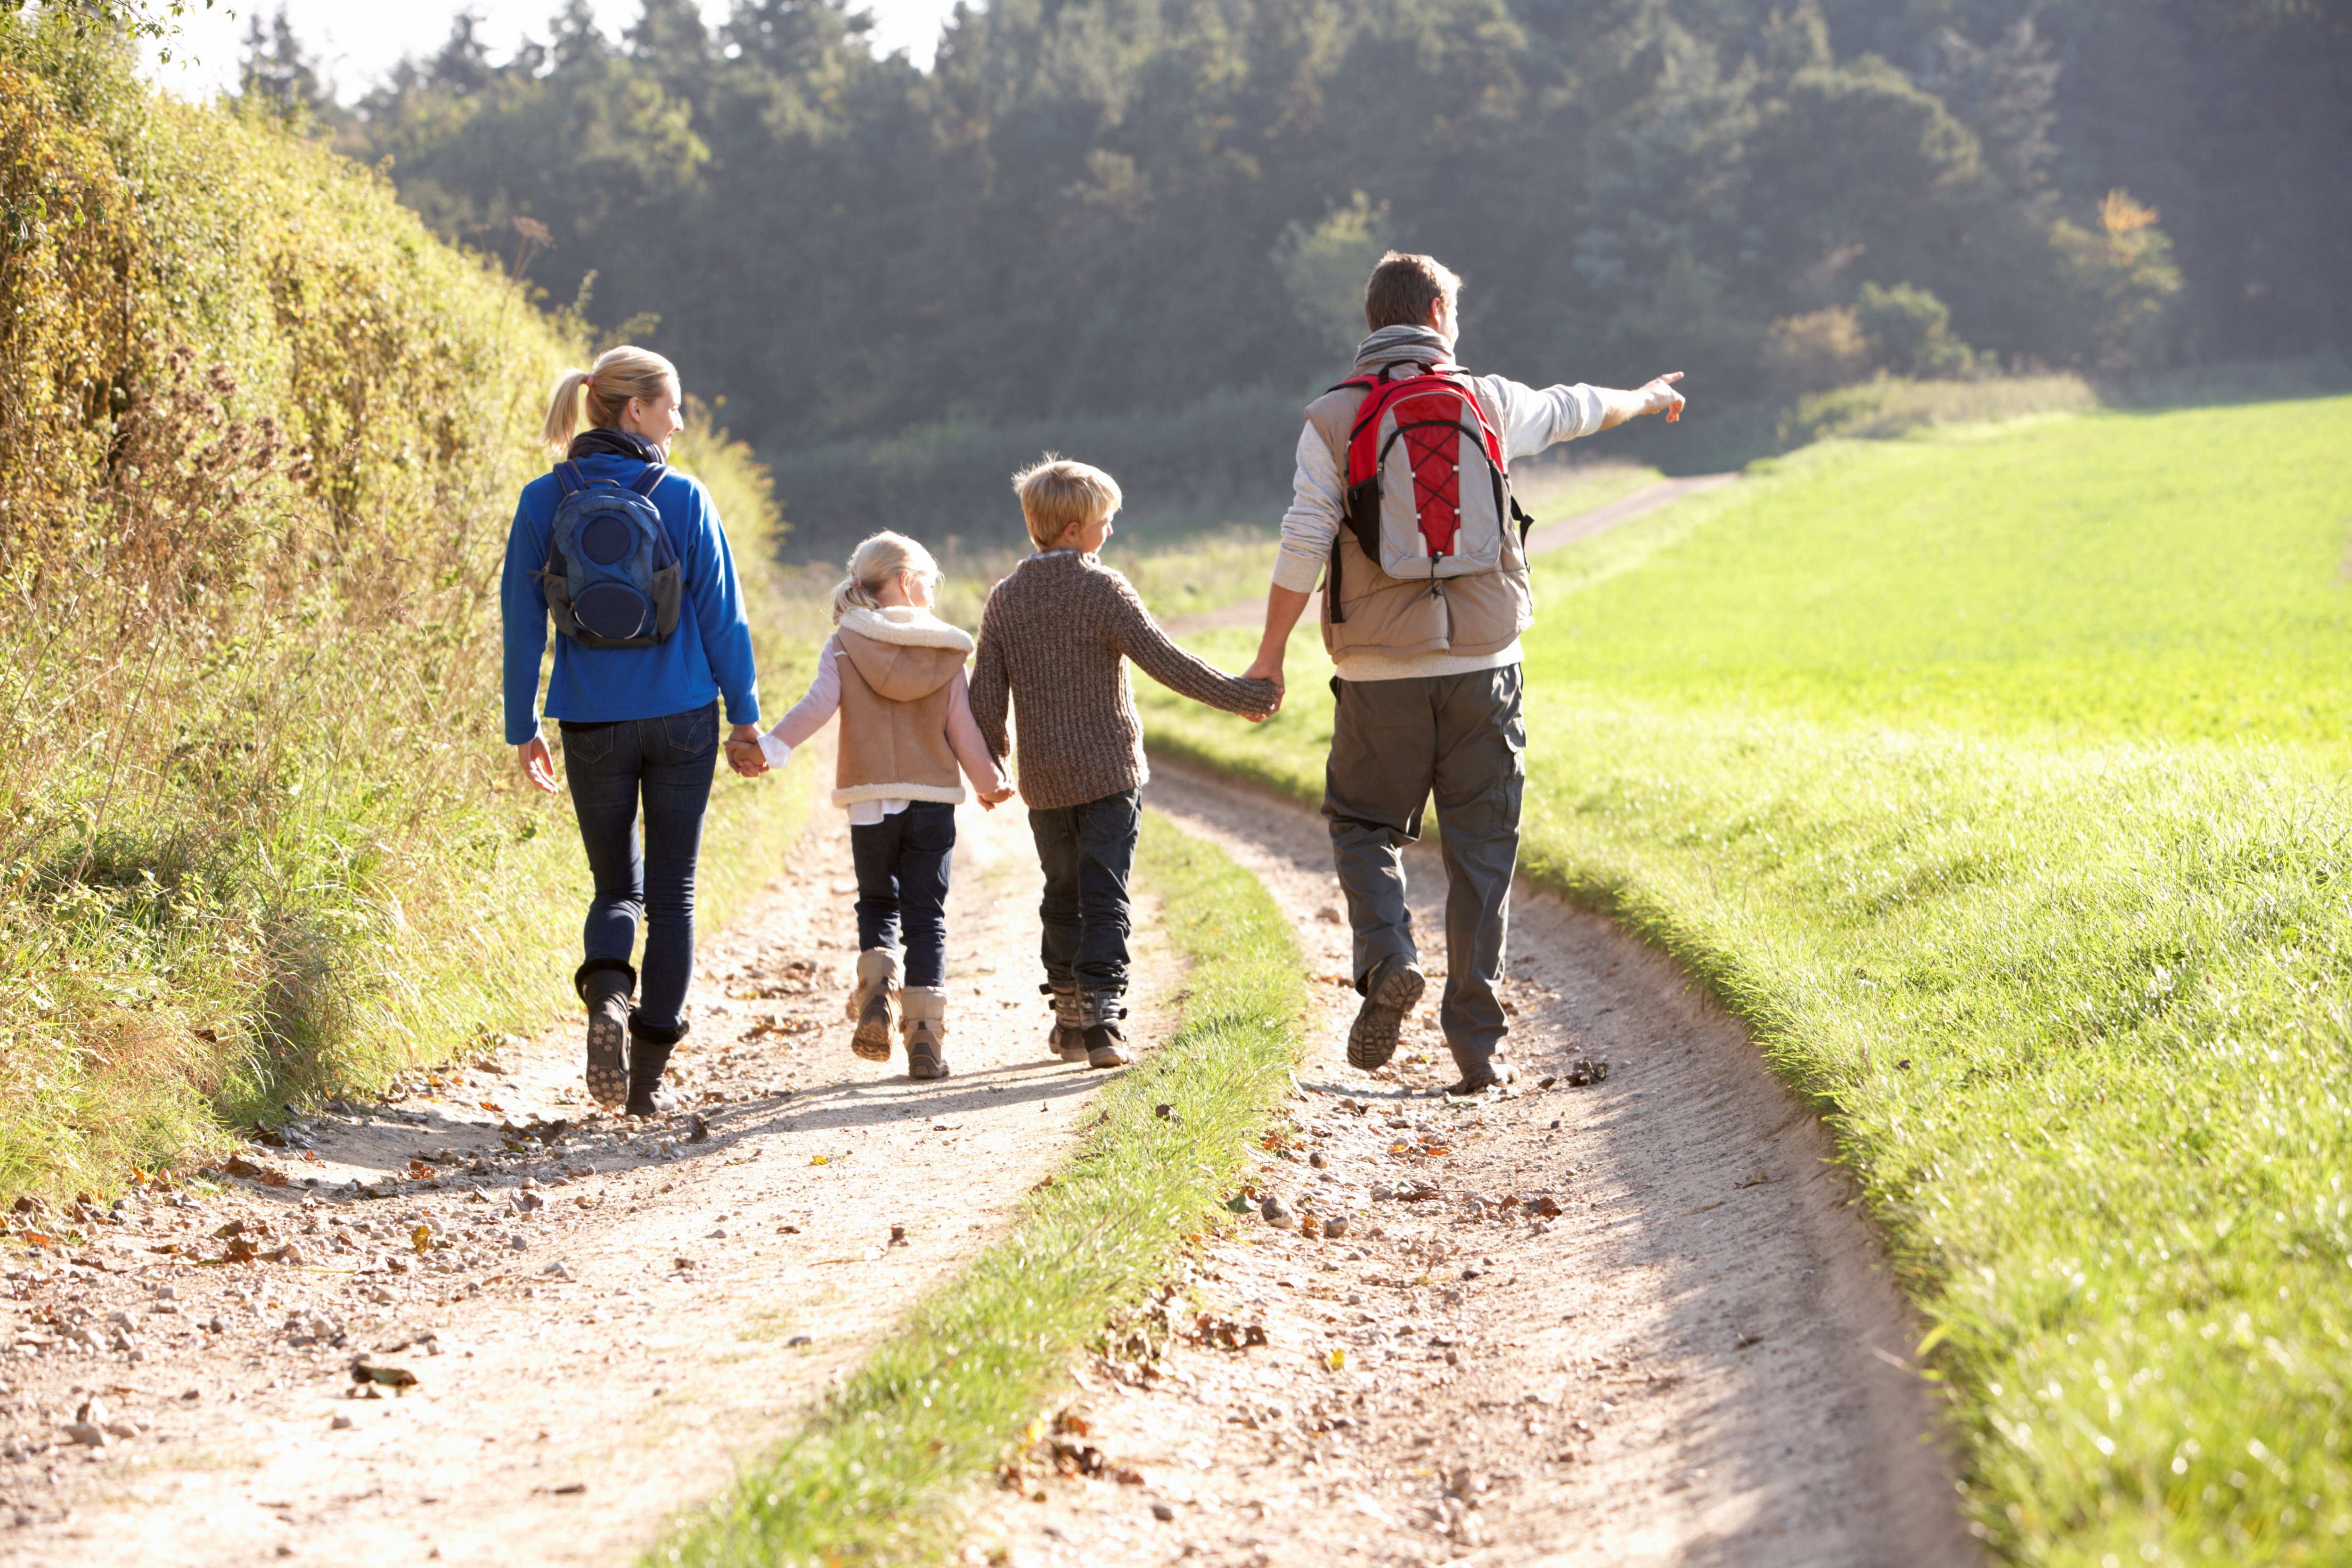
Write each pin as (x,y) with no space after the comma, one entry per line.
(1055,640)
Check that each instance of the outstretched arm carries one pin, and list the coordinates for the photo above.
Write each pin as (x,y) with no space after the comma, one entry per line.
(1135,633)
(1656,397)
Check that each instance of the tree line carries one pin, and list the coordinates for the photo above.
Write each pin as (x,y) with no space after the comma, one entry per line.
(1104,206)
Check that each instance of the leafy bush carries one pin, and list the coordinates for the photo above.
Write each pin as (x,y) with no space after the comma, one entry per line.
(1910,332)
(264,435)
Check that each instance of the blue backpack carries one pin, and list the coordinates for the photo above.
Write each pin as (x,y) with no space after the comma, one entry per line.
(612,579)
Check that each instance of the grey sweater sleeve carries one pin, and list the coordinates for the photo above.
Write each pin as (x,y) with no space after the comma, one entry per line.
(1135,633)
(989,691)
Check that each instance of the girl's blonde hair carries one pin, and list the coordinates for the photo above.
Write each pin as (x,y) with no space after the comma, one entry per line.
(872,563)
(617,375)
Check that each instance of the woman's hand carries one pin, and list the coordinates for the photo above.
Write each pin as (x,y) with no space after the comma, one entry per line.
(743,753)
(538,763)
(990,799)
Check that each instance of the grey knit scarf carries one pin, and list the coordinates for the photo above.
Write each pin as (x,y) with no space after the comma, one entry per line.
(1394,345)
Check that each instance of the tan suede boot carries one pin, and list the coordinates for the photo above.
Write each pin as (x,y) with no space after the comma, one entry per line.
(871,1004)
(925,1025)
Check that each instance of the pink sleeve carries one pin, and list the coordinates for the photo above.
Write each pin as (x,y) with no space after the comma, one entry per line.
(809,714)
(963,735)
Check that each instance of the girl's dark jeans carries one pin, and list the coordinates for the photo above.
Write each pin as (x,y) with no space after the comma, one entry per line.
(666,764)
(1088,852)
(903,863)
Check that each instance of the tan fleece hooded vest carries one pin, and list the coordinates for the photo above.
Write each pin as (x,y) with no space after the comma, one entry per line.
(1379,613)
(895,686)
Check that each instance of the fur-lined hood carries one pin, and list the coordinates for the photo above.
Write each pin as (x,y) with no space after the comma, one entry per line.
(907,625)
(903,652)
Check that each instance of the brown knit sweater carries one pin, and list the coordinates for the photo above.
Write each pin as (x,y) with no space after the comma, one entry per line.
(1052,640)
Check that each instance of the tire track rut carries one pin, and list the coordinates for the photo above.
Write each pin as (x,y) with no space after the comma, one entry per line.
(1699,1360)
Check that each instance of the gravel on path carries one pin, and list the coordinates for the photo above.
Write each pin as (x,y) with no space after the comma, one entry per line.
(602,1319)
(1635,1320)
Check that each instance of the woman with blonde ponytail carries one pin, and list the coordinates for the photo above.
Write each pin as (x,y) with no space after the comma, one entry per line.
(627,556)
(893,671)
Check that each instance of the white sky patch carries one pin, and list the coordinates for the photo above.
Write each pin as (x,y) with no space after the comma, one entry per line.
(359,42)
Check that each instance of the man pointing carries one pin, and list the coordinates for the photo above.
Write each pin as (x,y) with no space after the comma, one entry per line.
(1400,497)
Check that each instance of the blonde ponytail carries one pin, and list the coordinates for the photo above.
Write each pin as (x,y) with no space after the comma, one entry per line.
(874,562)
(619,374)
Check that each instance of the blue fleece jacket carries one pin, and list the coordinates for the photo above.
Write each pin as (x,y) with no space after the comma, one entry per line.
(710,654)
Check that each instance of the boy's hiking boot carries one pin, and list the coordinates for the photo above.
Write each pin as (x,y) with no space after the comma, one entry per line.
(649,1052)
(605,985)
(1098,1013)
(925,1026)
(1068,1038)
(1484,1076)
(1391,990)
(870,1005)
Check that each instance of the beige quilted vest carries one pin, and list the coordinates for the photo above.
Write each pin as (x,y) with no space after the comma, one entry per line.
(895,685)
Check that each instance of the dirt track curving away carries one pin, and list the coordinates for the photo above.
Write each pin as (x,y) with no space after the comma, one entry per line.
(1693,1361)
(1696,1361)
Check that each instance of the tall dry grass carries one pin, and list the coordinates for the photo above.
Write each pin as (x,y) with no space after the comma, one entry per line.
(260,435)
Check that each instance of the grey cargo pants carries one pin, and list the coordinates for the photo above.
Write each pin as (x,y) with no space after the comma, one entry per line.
(1393,744)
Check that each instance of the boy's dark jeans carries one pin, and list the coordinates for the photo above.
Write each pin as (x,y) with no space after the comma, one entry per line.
(669,763)
(1087,851)
(1395,743)
(903,863)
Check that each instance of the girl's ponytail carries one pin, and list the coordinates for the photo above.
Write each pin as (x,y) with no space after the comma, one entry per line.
(874,562)
(563,409)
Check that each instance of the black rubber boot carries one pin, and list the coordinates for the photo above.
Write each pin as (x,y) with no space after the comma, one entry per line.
(1391,990)
(649,1052)
(605,985)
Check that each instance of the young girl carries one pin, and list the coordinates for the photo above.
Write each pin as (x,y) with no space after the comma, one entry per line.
(894,673)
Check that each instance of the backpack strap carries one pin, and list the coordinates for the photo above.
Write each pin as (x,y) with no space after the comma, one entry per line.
(653,475)
(568,475)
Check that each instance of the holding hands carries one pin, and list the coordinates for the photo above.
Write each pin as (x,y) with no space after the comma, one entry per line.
(745,753)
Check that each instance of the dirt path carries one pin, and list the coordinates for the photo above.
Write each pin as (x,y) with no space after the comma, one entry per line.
(1550,536)
(1634,1323)
(620,1315)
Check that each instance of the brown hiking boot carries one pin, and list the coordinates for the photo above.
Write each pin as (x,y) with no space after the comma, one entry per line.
(870,1005)
(1484,1076)
(1067,1037)
(1391,992)
(1098,1013)
(925,1025)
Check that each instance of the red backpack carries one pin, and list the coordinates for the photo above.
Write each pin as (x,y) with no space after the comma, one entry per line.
(1428,491)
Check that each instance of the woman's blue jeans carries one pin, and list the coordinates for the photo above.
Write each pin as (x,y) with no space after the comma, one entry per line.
(667,764)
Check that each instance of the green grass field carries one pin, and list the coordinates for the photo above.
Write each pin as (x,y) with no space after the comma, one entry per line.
(1995,778)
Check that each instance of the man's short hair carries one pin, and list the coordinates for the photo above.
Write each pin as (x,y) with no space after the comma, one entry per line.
(1403,287)
(1057,494)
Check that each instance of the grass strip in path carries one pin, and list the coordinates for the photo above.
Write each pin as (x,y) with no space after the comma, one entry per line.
(877,1473)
